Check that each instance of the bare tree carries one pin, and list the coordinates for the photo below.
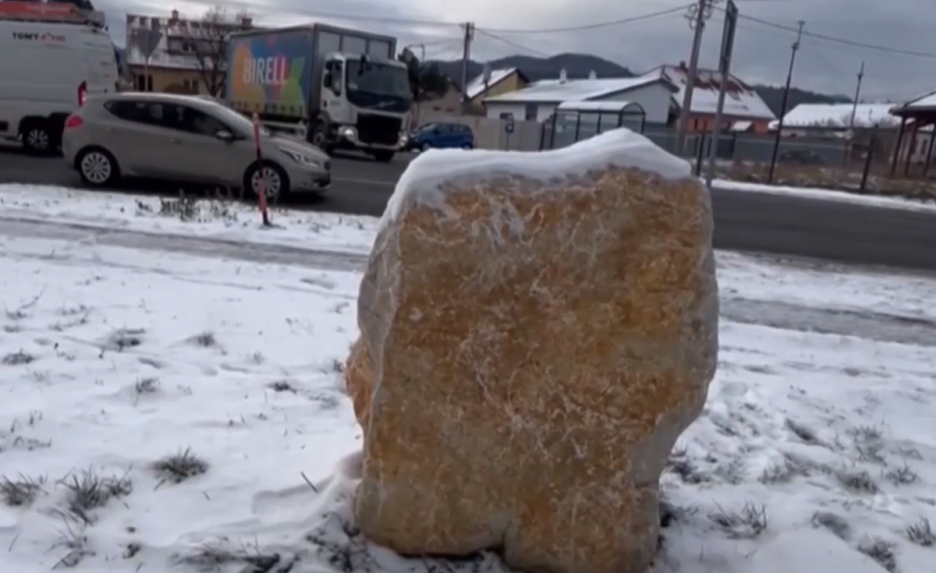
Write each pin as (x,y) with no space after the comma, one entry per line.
(206,41)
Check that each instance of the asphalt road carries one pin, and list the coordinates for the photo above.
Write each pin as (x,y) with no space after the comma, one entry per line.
(745,221)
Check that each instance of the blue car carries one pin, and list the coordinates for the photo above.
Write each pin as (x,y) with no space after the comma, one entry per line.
(440,136)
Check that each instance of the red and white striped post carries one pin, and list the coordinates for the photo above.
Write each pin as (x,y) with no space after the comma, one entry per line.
(261,192)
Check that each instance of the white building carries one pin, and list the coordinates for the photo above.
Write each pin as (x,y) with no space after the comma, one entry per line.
(539,100)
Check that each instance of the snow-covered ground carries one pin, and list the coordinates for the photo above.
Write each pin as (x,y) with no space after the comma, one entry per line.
(221,220)
(827,195)
(830,286)
(162,411)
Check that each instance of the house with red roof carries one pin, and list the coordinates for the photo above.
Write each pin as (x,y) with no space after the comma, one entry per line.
(744,110)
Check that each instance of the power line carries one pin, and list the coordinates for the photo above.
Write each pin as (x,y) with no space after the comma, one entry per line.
(439,42)
(452,50)
(513,44)
(417,22)
(253,5)
(619,22)
(836,40)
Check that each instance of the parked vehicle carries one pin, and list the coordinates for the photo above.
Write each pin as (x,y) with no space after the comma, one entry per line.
(343,86)
(439,136)
(186,138)
(52,56)
(801,157)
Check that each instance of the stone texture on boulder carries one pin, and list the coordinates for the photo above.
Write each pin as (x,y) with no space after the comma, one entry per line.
(537,329)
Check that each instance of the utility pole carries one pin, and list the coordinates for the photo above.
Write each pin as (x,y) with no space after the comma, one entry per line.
(724,69)
(422,62)
(851,122)
(783,104)
(466,57)
(697,23)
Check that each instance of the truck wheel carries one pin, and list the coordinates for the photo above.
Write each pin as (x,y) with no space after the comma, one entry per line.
(319,137)
(38,138)
(384,156)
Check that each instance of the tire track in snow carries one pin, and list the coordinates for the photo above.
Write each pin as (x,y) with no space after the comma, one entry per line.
(198,246)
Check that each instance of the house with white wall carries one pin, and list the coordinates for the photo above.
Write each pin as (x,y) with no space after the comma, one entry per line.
(539,101)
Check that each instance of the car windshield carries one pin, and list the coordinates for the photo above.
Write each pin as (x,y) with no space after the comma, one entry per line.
(378,78)
(235,119)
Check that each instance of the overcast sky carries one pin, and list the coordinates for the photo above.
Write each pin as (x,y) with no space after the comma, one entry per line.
(762,52)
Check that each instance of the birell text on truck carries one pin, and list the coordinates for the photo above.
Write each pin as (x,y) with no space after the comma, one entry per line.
(344,86)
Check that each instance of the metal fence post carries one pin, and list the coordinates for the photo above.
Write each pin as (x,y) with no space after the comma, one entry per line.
(868,157)
(700,152)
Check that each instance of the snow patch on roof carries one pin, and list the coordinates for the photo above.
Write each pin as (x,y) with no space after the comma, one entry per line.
(838,115)
(927,100)
(602,106)
(554,91)
(476,86)
(741,100)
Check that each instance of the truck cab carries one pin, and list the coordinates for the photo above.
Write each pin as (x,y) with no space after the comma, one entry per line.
(364,105)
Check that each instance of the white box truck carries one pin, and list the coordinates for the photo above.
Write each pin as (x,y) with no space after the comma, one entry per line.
(343,86)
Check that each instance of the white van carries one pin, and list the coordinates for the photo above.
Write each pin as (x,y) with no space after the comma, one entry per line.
(46,71)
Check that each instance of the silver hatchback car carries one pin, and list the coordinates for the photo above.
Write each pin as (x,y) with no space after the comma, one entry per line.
(186,138)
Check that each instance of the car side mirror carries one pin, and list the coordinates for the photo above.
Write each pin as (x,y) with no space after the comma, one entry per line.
(224,135)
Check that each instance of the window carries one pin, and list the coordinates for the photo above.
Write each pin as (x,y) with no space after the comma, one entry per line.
(240,124)
(198,122)
(127,110)
(530,112)
(190,85)
(150,113)
(373,77)
(143,83)
(337,77)
(167,115)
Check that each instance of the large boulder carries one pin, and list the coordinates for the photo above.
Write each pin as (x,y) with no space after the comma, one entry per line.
(537,329)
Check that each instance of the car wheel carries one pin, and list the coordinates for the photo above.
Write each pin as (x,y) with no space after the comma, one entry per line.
(467,146)
(268,176)
(38,138)
(97,168)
